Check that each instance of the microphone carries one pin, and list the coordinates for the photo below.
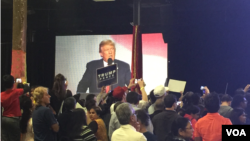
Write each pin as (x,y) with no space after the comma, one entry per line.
(110,61)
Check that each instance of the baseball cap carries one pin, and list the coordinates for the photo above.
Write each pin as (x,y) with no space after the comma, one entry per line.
(118,92)
(159,91)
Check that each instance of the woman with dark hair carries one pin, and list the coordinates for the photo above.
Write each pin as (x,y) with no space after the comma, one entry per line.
(90,97)
(77,128)
(143,119)
(190,98)
(192,112)
(181,130)
(238,117)
(58,93)
(97,125)
(89,104)
(26,121)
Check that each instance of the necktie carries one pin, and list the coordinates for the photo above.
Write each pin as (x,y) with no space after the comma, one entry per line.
(107,88)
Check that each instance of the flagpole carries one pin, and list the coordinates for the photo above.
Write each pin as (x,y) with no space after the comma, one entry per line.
(136,12)
(136,67)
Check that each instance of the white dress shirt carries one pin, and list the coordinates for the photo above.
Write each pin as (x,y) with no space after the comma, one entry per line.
(127,133)
(105,64)
(112,108)
(151,109)
(114,123)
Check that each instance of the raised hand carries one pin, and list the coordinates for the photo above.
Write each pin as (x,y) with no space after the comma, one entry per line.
(247,88)
(206,90)
(131,83)
(141,83)
(103,89)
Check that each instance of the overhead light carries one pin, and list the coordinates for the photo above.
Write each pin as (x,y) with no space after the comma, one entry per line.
(102,0)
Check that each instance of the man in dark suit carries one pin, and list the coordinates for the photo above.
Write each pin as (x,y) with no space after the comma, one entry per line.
(89,80)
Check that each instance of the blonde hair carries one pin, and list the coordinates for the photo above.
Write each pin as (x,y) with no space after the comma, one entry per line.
(38,94)
(105,42)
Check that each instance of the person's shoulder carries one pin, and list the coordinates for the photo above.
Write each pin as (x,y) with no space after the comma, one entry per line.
(121,62)
(201,120)
(18,90)
(158,116)
(226,120)
(116,132)
(113,115)
(3,92)
(40,110)
(93,62)
(100,121)
(150,136)
(230,108)
(86,129)
(43,109)
(140,136)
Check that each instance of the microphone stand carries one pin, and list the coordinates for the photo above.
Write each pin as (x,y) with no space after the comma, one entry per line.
(110,61)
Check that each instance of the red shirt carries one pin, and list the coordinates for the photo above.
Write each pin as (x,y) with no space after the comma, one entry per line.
(10,102)
(209,127)
(193,121)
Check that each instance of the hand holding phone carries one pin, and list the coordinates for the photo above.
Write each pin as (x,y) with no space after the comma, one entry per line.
(202,87)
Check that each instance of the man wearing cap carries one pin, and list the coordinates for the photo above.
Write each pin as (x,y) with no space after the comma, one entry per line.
(159,93)
(89,80)
(119,94)
(133,99)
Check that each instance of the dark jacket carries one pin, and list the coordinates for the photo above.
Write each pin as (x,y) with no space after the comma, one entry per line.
(162,123)
(89,79)
(63,121)
(175,139)
(155,113)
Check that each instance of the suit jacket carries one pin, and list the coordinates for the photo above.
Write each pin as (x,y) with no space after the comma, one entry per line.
(89,79)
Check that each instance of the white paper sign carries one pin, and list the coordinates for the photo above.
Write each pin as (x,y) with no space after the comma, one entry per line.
(176,85)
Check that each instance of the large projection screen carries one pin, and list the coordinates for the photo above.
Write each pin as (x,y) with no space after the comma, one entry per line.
(74,52)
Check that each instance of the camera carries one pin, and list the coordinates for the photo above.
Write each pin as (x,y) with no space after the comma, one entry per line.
(18,80)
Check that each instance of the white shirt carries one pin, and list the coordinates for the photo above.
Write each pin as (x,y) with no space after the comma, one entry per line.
(112,108)
(151,109)
(114,123)
(127,133)
(105,64)
(80,106)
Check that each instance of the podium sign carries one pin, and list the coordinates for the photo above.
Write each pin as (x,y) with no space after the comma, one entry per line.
(107,76)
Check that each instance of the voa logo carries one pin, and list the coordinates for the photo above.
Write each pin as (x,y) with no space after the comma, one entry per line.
(236,132)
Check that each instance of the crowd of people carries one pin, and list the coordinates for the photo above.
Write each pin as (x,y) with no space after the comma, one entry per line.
(39,114)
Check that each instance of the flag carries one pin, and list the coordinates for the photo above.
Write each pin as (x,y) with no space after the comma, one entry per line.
(136,67)
(18,66)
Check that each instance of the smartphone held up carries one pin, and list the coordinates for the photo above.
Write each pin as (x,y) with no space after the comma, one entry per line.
(18,80)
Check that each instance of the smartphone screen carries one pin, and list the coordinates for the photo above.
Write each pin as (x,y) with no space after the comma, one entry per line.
(178,102)
(135,80)
(18,80)
(202,87)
